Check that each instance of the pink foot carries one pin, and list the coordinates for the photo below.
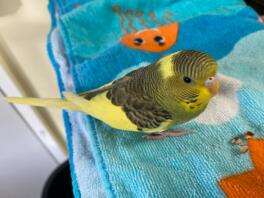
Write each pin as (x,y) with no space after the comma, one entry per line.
(161,135)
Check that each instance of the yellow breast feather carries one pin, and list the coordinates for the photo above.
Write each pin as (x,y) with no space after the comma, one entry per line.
(199,104)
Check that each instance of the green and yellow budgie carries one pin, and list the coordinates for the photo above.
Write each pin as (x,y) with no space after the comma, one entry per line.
(171,91)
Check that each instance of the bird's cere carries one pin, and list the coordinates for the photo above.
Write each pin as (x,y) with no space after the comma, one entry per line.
(213,85)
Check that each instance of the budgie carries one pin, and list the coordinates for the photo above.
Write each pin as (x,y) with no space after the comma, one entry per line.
(173,90)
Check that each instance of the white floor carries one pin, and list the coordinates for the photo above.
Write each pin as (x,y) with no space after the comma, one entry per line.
(24,162)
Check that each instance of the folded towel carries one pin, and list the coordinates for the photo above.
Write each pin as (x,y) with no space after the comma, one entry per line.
(78,144)
(97,39)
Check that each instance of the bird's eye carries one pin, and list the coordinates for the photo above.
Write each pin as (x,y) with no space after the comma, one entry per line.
(211,78)
(187,79)
(138,41)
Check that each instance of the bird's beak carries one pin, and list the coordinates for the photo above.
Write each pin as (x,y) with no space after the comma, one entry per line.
(213,85)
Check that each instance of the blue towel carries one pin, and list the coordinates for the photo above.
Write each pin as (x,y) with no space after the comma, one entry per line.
(78,145)
(87,48)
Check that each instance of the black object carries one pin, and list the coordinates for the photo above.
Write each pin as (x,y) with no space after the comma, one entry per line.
(59,183)
(257,5)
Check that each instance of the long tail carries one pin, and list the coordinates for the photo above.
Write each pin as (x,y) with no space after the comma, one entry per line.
(45,102)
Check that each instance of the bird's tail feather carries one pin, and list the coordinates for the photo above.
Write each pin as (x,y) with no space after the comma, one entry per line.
(44,102)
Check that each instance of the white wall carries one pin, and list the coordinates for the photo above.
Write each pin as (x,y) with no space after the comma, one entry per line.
(24,39)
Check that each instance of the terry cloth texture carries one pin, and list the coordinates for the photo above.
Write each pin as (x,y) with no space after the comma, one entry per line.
(251,183)
(92,42)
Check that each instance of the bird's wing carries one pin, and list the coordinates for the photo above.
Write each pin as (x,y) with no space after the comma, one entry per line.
(138,106)
(92,93)
(128,93)
(140,109)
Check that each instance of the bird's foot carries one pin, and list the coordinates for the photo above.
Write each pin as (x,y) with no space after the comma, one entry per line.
(161,135)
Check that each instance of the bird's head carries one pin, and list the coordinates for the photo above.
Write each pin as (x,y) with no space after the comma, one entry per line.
(190,77)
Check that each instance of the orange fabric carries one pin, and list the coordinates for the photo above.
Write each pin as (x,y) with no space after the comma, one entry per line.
(249,184)
(169,33)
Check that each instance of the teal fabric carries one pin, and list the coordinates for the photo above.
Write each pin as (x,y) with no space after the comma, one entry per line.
(218,34)
(82,42)
(189,166)
(251,65)
(78,143)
